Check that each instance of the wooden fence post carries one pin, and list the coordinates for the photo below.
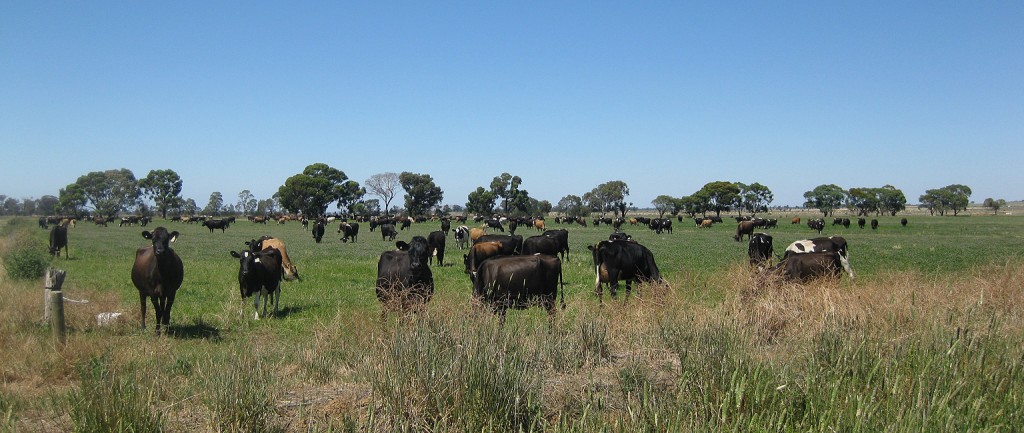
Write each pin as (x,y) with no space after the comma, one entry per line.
(54,309)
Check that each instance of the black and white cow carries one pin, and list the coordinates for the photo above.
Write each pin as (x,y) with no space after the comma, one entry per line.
(260,274)
(462,237)
(350,230)
(807,266)
(831,243)
(760,249)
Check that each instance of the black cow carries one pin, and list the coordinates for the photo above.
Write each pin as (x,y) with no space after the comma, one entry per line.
(562,236)
(406,224)
(58,240)
(158,273)
(260,274)
(771,223)
(435,244)
(495,224)
(861,222)
(903,222)
(760,249)
(216,224)
(618,260)
(619,236)
(874,224)
(388,232)
(831,243)
(519,282)
(404,280)
(744,228)
(462,237)
(512,225)
(541,244)
(351,230)
(318,230)
(816,224)
(446,225)
(806,266)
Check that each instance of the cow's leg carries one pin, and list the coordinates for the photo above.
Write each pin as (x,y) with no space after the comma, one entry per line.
(277,298)
(158,307)
(256,304)
(142,302)
(167,313)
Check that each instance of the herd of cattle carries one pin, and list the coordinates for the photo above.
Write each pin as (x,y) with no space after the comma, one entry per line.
(506,271)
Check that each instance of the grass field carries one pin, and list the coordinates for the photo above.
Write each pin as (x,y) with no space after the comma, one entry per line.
(928,338)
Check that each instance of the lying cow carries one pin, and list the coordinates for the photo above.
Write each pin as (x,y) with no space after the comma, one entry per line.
(519,282)
(831,243)
(807,266)
(260,273)
(404,280)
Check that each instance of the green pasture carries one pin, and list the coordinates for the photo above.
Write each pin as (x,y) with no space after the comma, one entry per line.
(339,277)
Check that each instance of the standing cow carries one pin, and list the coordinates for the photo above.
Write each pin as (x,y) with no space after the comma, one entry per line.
(158,273)
(58,240)
(404,280)
(518,282)
(744,228)
(351,230)
(760,250)
(435,243)
(260,273)
(622,260)
(318,230)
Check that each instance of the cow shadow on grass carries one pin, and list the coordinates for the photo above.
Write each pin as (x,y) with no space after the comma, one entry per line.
(198,330)
(289,310)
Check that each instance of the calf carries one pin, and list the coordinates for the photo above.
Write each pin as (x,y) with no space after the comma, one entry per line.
(519,282)
(903,222)
(158,273)
(260,273)
(435,244)
(58,240)
(861,222)
(351,230)
(404,280)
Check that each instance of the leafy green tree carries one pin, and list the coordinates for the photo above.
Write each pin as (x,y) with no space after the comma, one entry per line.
(826,198)
(216,204)
(246,203)
(698,202)
(383,185)
(664,204)
(109,192)
(755,198)
(573,206)
(164,188)
(721,196)
(609,197)
(421,194)
(480,202)
(954,198)
(311,191)
(506,188)
(863,201)
(542,208)
(891,200)
(959,196)
(266,207)
(47,205)
(994,204)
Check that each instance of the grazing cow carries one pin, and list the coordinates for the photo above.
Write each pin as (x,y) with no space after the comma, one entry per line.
(58,240)
(404,280)
(861,222)
(874,224)
(541,244)
(406,224)
(158,273)
(803,267)
(816,224)
(538,224)
(760,249)
(619,236)
(216,224)
(42,223)
(100,221)
(519,282)
(744,228)
(260,273)
(495,224)
(267,242)
(795,220)
(903,222)
(475,234)
(318,230)
(618,260)
(846,223)
(510,244)
(562,236)
(771,223)
(388,232)
(435,244)
(461,237)
(705,223)
(831,243)
(446,226)
(351,230)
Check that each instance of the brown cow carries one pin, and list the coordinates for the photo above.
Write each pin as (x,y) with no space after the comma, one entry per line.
(158,273)
(795,220)
(538,224)
(475,233)
(744,228)
(706,224)
(478,253)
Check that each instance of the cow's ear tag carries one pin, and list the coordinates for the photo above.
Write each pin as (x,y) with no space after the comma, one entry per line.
(257,260)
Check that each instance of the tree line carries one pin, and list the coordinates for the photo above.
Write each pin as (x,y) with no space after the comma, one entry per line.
(112,192)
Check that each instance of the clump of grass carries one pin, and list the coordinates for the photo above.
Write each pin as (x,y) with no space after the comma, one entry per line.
(240,395)
(23,258)
(106,401)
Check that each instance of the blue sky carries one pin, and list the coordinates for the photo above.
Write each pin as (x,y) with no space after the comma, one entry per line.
(665,96)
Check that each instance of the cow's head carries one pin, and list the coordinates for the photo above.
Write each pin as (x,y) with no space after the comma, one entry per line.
(161,239)
(418,251)
(246,262)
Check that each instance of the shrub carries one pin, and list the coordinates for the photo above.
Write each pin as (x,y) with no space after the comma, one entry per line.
(24,260)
